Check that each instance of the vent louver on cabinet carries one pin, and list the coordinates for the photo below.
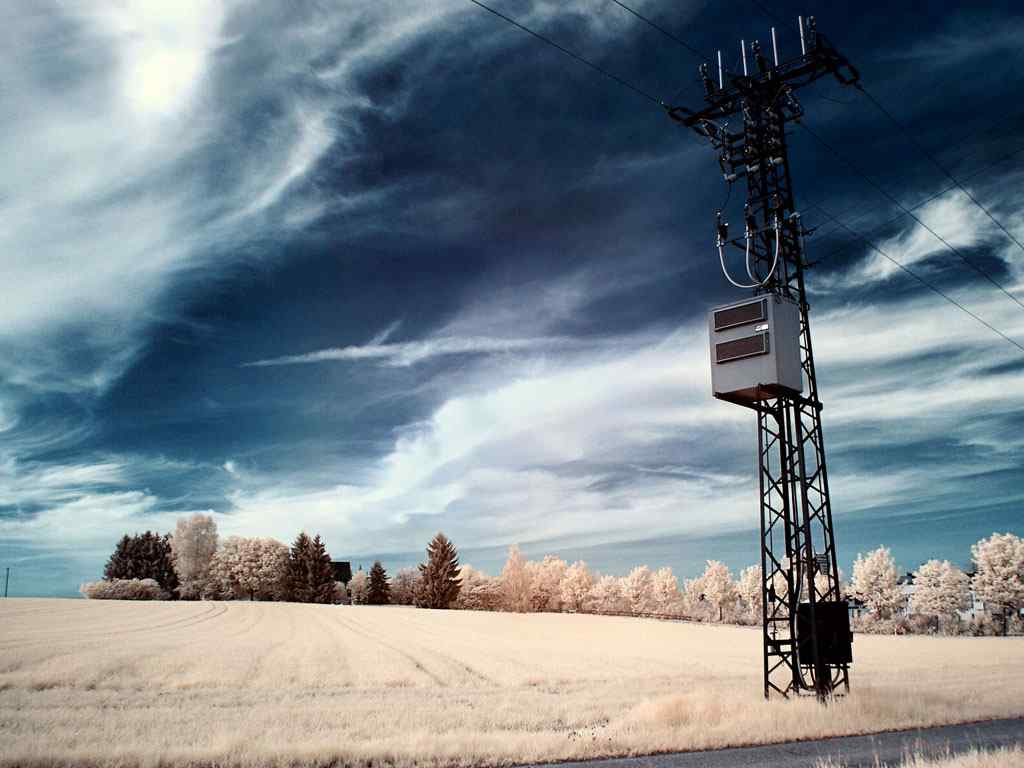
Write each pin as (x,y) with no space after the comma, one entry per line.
(737,349)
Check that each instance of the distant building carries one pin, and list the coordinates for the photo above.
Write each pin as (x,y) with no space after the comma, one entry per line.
(342,571)
(973,608)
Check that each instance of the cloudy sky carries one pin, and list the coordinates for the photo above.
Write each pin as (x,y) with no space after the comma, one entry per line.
(379,269)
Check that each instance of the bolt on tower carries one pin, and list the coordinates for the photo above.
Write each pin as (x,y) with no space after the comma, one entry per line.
(807,640)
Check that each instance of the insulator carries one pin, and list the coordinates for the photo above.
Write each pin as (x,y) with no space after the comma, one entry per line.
(812,33)
(722,228)
(762,62)
(705,76)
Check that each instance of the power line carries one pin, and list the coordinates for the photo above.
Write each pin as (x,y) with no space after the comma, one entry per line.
(910,213)
(999,126)
(569,53)
(927,200)
(663,31)
(770,15)
(913,139)
(935,161)
(922,280)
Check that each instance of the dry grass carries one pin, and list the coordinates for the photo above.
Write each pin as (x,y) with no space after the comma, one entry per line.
(997,758)
(245,684)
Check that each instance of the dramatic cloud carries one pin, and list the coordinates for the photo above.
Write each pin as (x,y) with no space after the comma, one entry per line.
(375,269)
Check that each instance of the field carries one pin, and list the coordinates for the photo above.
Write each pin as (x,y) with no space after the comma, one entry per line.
(120,683)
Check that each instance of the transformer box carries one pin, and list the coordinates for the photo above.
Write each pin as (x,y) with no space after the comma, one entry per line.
(755,349)
(831,629)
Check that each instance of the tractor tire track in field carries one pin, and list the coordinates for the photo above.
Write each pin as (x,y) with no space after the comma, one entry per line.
(361,631)
(454,662)
(425,630)
(101,636)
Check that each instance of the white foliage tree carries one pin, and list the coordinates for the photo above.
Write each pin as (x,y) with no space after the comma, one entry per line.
(718,587)
(479,591)
(874,582)
(250,568)
(940,589)
(359,587)
(638,588)
(665,596)
(749,587)
(192,549)
(403,586)
(607,596)
(546,583)
(575,587)
(694,604)
(515,582)
(999,580)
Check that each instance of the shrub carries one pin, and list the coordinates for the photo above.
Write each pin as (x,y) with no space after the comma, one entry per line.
(123,589)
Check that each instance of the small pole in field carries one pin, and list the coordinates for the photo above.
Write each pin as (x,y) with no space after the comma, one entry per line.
(7,579)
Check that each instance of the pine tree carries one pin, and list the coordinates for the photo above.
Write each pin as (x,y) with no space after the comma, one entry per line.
(310,578)
(380,590)
(162,563)
(321,574)
(297,581)
(119,564)
(440,574)
(143,556)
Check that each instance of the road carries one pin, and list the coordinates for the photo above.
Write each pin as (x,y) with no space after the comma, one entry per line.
(850,751)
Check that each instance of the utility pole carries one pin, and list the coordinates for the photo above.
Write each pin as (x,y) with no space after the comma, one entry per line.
(7,579)
(807,640)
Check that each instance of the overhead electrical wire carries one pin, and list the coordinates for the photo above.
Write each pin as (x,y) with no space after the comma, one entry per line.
(836,153)
(935,161)
(924,202)
(913,140)
(923,281)
(906,211)
(663,31)
(576,56)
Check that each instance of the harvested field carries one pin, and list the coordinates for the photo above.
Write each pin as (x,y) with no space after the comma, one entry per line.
(119,683)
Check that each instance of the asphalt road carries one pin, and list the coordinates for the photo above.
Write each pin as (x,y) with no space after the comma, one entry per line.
(852,751)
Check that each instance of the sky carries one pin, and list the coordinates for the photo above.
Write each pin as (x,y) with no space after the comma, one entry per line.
(375,270)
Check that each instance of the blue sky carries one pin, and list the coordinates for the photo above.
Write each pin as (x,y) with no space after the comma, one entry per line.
(379,269)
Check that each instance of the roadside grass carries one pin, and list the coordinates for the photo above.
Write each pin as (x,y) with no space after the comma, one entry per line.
(1007,757)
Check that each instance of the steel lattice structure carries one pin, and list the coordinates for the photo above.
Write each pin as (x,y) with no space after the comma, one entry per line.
(798,556)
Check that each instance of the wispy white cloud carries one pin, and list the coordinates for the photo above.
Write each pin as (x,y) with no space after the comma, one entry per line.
(538,435)
(538,445)
(412,352)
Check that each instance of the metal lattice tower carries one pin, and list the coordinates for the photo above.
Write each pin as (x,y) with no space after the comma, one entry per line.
(745,119)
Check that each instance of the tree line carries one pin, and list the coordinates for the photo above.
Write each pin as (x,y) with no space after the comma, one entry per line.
(193,564)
